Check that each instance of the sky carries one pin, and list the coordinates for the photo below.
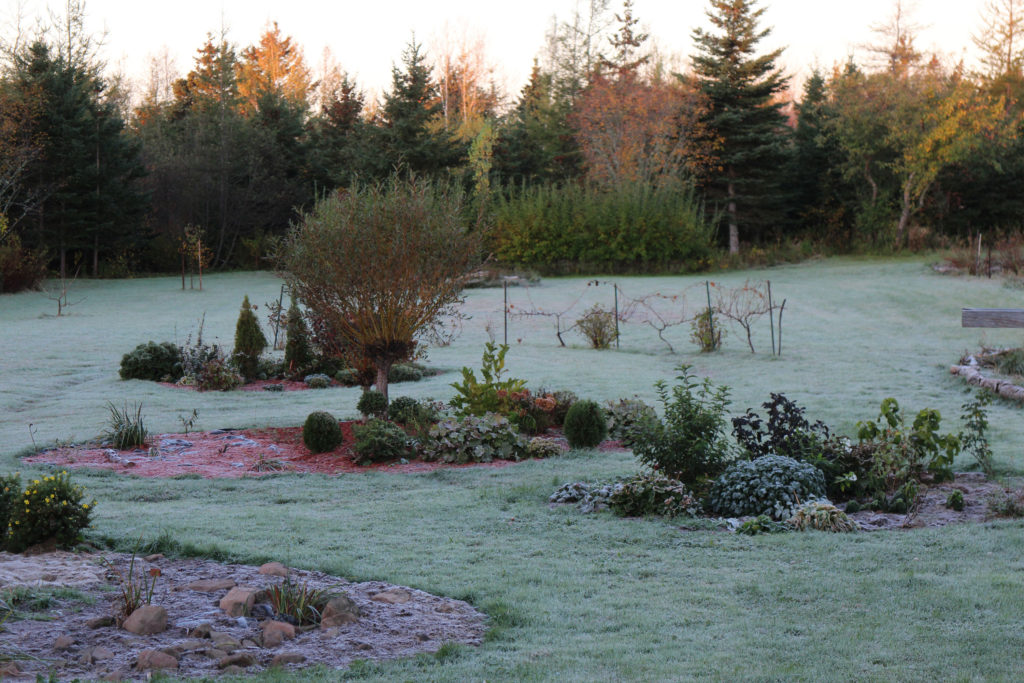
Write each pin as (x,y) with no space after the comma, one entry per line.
(366,38)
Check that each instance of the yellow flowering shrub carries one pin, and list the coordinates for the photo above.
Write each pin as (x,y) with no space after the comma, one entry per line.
(49,507)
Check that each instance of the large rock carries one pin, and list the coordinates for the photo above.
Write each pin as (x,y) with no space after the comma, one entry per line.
(154,659)
(146,620)
(395,596)
(242,659)
(276,632)
(288,658)
(211,585)
(273,569)
(340,610)
(239,600)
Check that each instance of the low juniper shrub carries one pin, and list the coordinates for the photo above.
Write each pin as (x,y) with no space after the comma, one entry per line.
(372,404)
(151,361)
(585,425)
(955,501)
(772,485)
(406,372)
(379,440)
(317,381)
(321,432)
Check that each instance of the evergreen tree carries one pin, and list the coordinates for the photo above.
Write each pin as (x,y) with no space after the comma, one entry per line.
(249,341)
(740,88)
(410,141)
(297,352)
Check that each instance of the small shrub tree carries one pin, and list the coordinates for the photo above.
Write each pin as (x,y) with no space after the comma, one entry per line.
(297,352)
(585,425)
(249,342)
(382,266)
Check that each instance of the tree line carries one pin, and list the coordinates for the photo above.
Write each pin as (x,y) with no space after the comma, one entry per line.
(901,150)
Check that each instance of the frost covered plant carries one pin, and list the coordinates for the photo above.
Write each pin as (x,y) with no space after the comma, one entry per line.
(652,494)
(126,429)
(771,485)
(822,516)
(625,416)
(317,381)
(473,439)
(49,508)
(543,447)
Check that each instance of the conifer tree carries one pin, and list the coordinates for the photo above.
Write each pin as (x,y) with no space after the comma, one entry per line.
(249,341)
(740,87)
(297,353)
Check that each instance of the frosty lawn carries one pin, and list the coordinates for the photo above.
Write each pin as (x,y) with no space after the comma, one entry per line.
(576,597)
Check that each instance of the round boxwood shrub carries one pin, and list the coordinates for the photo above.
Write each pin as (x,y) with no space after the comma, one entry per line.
(321,432)
(152,361)
(372,404)
(772,485)
(585,425)
(317,381)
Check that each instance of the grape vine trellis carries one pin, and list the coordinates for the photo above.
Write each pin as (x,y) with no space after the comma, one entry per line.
(743,306)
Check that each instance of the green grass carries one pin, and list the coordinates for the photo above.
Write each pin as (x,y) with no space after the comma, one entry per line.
(575,597)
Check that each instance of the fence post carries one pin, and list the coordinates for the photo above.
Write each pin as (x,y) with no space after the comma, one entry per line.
(711,314)
(771,314)
(505,283)
(616,286)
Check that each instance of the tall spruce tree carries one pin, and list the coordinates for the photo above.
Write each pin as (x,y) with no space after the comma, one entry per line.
(740,87)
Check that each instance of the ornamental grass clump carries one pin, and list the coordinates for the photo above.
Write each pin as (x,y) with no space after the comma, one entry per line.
(49,508)
(125,427)
(771,485)
(321,432)
(585,425)
(822,516)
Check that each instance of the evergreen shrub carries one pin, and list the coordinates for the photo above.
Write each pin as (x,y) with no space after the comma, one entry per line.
(321,432)
(249,342)
(152,361)
(585,425)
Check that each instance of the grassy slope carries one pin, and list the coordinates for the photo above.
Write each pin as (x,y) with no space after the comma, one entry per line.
(578,597)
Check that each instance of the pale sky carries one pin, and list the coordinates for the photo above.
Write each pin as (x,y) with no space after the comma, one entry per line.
(366,38)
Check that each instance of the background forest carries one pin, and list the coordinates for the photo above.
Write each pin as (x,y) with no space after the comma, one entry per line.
(611,158)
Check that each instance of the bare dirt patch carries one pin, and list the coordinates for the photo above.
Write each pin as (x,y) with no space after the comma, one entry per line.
(230,453)
(930,508)
(395,621)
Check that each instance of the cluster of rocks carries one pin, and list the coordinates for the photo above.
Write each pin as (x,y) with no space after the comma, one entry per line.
(225,624)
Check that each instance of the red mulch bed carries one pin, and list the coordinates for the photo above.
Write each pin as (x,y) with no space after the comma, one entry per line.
(230,453)
(257,385)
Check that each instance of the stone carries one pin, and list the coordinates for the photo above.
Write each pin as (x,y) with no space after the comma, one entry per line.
(201,631)
(146,620)
(211,585)
(395,596)
(232,670)
(273,569)
(214,653)
(239,600)
(115,675)
(276,632)
(339,610)
(224,641)
(242,659)
(63,642)
(249,643)
(445,608)
(192,644)
(154,659)
(9,669)
(154,557)
(287,658)
(96,653)
(100,622)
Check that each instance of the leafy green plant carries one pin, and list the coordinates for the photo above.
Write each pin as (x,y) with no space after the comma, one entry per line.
(905,454)
(689,443)
(705,333)
(625,416)
(418,415)
(652,494)
(974,437)
(298,604)
(772,485)
(372,404)
(822,516)
(955,501)
(134,589)
(787,432)
(762,524)
(598,326)
(379,440)
(151,361)
(491,393)
(249,342)
(585,425)
(543,447)
(49,508)
(473,439)
(1005,503)
(10,496)
(125,427)
(321,432)
(317,381)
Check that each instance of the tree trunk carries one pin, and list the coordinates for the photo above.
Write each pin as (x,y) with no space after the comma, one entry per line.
(96,256)
(383,369)
(734,230)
